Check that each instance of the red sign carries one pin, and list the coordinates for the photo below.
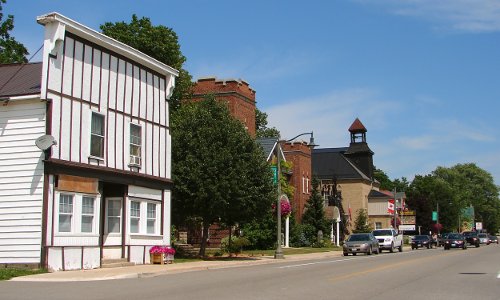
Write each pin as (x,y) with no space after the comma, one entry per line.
(390,206)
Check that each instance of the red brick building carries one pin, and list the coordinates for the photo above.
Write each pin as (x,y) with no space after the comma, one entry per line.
(237,93)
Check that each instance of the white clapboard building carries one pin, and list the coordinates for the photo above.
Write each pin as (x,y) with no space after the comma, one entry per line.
(85,164)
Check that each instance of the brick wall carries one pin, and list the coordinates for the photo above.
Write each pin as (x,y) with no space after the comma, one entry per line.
(299,154)
(238,95)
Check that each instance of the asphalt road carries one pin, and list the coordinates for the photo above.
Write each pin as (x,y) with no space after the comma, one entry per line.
(418,274)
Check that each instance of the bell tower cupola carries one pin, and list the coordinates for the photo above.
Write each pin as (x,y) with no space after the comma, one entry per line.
(359,152)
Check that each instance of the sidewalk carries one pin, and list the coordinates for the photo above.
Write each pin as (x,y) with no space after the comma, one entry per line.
(143,271)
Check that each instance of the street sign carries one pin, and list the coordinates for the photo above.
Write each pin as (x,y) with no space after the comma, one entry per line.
(434,216)
(479,225)
(275,174)
(407,227)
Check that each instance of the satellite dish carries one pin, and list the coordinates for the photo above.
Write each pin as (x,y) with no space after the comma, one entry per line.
(45,142)
(336,213)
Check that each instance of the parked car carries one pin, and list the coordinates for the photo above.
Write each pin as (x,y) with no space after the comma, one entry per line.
(455,240)
(441,238)
(493,239)
(419,241)
(471,237)
(361,243)
(389,239)
(484,238)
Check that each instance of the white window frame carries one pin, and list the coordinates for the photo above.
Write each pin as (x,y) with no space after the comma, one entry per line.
(135,160)
(119,216)
(134,217)
(88,214)
(144,218)
(77,214)
(103,136)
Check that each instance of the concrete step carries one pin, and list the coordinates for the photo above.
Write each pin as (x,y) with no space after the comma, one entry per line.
(116,263)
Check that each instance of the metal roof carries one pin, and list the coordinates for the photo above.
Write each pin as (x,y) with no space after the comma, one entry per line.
(329,163)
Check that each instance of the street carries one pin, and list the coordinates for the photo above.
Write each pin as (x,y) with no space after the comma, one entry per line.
(413,274)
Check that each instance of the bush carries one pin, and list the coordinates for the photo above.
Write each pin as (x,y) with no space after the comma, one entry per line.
(237,244)
(303,235)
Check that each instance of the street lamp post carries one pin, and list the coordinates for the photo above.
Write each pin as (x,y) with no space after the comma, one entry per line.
(279,251)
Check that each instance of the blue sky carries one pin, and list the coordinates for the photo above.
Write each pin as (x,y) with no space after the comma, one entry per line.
(422,75)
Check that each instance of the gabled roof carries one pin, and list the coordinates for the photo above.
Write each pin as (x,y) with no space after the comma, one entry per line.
(20,79)
(269,146)
(328,163)
(379,194)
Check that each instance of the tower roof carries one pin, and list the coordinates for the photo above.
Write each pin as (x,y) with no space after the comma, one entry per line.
(357,126)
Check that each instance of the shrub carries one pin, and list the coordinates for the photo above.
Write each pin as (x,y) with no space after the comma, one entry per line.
(237,244)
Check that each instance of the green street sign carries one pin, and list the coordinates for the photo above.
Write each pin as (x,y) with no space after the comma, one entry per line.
(434,216)
(275,174)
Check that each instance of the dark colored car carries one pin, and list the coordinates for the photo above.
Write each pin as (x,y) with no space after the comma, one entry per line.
(493,239)
(455,240)
(419,241)
(472,238)
(441,238)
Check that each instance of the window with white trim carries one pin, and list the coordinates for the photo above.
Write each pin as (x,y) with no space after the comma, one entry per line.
(88,211)
(76,213)
(135,144)
(65,213)
(144,216)
(97,135)
(113,215)
(378,225)
(151,221)
(135,216)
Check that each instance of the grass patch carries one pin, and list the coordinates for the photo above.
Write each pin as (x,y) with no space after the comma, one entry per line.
(290,251)
(8,273)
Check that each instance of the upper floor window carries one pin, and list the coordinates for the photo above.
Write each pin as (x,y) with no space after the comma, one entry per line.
(135,144)
(97,136)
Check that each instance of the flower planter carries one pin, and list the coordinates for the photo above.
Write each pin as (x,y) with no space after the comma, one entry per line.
(157,258)
(161,255)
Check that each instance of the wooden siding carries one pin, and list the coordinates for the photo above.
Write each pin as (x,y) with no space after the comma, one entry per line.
(86,79)
(21,181)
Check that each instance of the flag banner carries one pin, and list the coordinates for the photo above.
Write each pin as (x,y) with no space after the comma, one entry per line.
(390,206)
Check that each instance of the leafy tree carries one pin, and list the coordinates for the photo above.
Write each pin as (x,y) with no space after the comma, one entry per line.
(361,223)
(11,51)
(262,130)
(314,213)
(220,173)
(385,182)
(159,42)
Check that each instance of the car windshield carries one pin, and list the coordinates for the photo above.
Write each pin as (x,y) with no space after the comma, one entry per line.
(358,238)
(420,237)
(454,236)
(382,232)
(469,233)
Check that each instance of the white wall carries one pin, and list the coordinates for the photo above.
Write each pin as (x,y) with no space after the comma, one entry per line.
(21,181)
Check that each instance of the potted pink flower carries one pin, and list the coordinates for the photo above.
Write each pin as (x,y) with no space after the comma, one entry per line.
(162,254)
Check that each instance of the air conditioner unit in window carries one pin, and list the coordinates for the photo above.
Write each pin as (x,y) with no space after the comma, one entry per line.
(135,160)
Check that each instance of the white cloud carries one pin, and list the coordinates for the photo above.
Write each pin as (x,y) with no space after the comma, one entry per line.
(460,15)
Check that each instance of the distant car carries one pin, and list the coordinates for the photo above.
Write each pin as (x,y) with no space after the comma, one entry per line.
(484,238)
(420,241)
(441,238)
(361,243)
(454,240)
(493,239)
(471,237)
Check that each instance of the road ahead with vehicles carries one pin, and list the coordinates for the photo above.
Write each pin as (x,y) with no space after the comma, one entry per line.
(412,274)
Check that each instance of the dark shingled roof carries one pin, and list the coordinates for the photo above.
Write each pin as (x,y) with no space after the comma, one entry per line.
(20,79)
(268,145)
(378,194)
(328,163)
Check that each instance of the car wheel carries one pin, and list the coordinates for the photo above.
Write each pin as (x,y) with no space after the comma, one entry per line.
(464,247)
(370,251)
(400,248)
(392,248)
(378,251)
(354,254)
(477,245)
(346,254)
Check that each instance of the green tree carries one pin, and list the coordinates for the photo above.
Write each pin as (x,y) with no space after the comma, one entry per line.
(262,131)
(385,182)
(314,213)
(220,173)
(473,186)
(11,51)
(361,223)
(159,42)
